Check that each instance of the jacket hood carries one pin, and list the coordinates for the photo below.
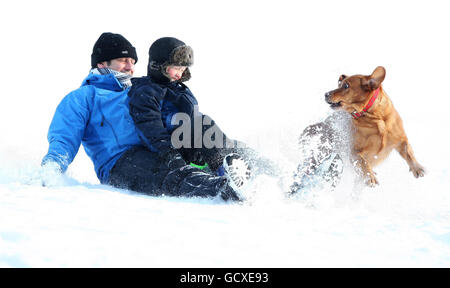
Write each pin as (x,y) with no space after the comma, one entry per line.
(108,82)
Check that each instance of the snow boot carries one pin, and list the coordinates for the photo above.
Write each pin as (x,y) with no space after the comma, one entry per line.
(238,172)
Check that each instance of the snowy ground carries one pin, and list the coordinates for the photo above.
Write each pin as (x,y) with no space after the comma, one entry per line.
(270,63)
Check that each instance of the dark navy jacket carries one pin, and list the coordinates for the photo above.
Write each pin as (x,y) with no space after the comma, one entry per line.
(152,106)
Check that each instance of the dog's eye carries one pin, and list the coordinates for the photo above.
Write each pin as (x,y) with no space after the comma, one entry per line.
(346,86)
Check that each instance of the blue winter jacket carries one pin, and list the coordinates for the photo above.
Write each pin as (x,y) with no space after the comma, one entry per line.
(97,115)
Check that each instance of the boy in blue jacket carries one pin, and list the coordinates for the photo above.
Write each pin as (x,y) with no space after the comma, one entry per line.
(97,116)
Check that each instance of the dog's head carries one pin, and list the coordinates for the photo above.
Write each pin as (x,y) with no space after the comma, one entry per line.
(354,91)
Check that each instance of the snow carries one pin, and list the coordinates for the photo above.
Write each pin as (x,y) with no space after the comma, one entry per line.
(268,65)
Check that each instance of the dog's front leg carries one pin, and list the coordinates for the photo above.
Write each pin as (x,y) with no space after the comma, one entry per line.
(407,153)
(365,169)
(381,125)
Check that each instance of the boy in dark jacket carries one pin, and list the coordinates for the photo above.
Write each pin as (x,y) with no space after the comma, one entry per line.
(169,124)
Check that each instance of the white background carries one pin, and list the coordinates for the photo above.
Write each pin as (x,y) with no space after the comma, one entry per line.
(261,70)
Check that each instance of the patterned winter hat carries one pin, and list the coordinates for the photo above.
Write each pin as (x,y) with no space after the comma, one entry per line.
(111,46)
(168,51)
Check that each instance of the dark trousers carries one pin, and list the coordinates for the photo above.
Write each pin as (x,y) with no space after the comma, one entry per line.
(141,170)
(213,155)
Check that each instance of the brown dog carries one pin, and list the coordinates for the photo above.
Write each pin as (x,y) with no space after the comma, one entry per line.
(378,128)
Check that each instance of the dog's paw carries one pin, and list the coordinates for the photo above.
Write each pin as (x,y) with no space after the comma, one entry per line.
(417,170)
(371,180)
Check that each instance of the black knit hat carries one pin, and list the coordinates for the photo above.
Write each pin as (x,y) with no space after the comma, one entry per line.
(169,51)
(111,46)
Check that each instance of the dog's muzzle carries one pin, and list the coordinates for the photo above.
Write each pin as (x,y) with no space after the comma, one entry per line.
(328,100)
(327,97)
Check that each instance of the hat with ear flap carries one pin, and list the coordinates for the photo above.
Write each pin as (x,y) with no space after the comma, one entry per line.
(169,51)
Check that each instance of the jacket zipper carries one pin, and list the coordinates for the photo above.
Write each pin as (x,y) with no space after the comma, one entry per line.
(109,124)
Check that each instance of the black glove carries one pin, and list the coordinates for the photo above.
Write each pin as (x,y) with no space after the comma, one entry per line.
(172,159)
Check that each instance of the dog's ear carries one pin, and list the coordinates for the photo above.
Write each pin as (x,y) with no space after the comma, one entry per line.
(341,78)
(374,81)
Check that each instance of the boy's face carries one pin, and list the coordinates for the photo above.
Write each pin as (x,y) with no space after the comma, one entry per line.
(124,65)
(175,72)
